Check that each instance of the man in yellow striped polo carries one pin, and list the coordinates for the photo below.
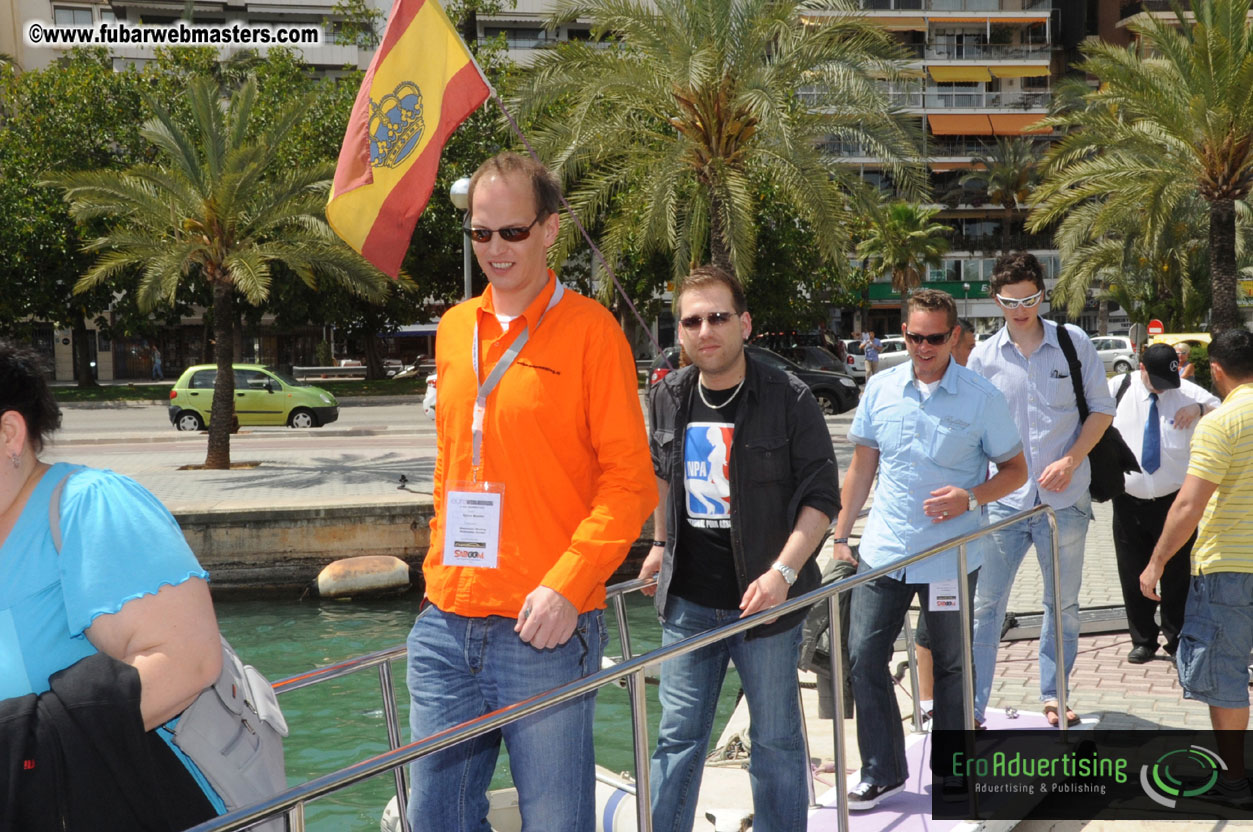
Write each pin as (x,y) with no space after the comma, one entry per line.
(1218,493)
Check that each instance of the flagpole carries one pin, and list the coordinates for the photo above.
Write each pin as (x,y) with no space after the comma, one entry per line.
(579,225)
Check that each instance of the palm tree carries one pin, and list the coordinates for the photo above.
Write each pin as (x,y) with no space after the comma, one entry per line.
(1171,118)
(214,209)
(901,241)
(662,134)
(1008,171)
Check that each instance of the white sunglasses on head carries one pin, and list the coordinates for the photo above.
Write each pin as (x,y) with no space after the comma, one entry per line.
(1014,303)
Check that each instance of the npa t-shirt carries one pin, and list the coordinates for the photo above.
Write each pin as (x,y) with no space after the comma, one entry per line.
(704,566)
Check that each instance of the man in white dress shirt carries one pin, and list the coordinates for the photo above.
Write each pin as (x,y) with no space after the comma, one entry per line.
(1157,413)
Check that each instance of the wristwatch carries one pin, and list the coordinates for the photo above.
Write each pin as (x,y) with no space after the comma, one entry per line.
(788,573)
(973,503)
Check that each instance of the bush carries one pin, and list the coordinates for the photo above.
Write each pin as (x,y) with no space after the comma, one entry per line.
(323,354)
(1199,356)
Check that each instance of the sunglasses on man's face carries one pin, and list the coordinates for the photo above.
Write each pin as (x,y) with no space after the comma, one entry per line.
(934,339)
(1014,303)
(715,319)
(509,235)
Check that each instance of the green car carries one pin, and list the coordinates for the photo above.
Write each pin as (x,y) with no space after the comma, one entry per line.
(262,397)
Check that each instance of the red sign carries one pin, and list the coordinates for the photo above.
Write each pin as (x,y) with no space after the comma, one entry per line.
(1155,327)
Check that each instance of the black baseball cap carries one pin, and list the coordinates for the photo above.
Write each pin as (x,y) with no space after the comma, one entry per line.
(1162,364)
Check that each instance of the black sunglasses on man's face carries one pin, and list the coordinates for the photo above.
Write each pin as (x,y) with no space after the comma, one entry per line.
(934,339)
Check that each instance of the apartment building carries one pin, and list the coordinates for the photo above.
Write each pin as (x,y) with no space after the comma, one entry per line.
(326,56)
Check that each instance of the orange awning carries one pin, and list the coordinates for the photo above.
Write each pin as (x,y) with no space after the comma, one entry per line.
(903,23)
(960,125)
(962,74)
(940,167)
(1016,124)
(987,18)
(1020,71)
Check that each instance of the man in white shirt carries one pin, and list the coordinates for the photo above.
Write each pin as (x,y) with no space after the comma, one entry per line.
(1157,413)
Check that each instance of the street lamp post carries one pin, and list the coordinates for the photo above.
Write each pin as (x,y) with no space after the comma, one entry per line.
(459,193)
(966,300)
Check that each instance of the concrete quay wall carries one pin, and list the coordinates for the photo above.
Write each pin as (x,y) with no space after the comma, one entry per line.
(268,550)
(281,550)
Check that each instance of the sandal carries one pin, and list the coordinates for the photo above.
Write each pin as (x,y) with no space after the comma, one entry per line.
(1050,713)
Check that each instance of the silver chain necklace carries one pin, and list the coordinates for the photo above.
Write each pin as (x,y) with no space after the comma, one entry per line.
(700,388)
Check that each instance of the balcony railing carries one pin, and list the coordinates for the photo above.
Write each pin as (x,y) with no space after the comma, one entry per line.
(988,52)
(958,5)
(934,98)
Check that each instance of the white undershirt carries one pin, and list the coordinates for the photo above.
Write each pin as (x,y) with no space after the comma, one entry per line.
(505,320)
(926,388)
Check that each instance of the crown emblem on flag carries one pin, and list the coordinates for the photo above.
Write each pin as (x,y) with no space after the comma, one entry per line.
(396,125)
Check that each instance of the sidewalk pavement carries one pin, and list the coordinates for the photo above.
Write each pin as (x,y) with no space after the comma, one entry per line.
(368,471)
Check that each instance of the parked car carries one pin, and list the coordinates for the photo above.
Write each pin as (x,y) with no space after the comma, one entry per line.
(262,397)
(891,353)
(1116,352)
(835,392)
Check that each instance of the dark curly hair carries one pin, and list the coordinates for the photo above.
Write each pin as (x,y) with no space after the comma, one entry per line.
(1016,267)
(24,389)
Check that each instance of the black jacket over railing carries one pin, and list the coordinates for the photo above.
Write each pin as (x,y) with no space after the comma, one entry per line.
(781,460)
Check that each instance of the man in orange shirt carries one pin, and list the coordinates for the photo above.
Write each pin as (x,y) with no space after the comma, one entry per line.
(543,480)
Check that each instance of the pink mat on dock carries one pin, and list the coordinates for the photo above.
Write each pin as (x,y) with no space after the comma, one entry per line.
(911,809)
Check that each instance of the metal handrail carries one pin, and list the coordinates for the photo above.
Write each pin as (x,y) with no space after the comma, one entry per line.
(297,795)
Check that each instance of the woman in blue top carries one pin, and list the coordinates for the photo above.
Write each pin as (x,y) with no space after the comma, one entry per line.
(123,583)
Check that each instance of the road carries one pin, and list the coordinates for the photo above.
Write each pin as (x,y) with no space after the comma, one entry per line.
(358,459)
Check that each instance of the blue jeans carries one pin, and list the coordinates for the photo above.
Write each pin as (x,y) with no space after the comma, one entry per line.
(1000,566)
(878,614)
(689,696)
(461,668)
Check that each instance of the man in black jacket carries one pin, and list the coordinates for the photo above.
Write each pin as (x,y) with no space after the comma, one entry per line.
(747,477)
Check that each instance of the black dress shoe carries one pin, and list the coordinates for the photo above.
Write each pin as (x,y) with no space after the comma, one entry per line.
(1141,655)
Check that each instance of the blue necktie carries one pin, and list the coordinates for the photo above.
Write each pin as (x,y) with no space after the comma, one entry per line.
(1151,450)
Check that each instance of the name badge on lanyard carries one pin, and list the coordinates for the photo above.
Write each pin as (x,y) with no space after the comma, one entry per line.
(473,510)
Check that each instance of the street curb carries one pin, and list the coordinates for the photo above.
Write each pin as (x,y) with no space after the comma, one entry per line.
(356,401)
(243,436)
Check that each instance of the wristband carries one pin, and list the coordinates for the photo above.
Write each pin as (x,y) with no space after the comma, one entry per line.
(660,543)
(843,540)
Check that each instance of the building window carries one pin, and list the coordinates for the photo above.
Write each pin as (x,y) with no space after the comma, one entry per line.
(107,16)
(69,16)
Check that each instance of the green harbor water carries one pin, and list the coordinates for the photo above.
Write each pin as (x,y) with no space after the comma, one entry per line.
(339,723)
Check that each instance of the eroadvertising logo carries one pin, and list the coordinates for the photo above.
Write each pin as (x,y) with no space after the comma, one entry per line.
(1185,772)
(1082,775)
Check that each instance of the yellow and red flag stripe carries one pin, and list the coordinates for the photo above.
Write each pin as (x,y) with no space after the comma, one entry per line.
(422,83)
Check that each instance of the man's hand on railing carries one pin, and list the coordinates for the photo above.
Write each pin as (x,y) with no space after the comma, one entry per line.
(650,568)
(547,619)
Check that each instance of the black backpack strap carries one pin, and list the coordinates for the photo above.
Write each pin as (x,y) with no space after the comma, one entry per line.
(1122,390)
(1076,380)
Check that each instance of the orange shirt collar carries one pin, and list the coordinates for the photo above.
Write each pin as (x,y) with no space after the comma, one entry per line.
(533,310)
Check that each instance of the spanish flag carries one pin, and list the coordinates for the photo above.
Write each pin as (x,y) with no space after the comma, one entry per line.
(422,83)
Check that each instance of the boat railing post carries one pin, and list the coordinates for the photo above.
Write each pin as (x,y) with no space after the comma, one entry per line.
(809,781)
(296,818)
(911,653)
(639,721)
(963,608)
(1063,678)
(393,741)
(837,705)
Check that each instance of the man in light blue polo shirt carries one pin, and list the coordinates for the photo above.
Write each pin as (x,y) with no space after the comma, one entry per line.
(1025,361)
(929,428)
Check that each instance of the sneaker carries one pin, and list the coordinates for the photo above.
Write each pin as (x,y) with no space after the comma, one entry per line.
(954,787)
(867,795)
(1234,793)
(927,718)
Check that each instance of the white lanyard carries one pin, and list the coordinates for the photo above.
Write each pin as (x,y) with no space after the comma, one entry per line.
(506,360)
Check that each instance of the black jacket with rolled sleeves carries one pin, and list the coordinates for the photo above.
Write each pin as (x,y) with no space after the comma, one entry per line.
(781,460)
